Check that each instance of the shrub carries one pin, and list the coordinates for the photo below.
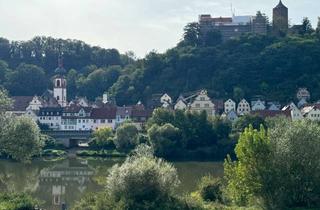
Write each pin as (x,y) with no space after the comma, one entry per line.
(211,189)
(127,137)
(142,181)
(13,201)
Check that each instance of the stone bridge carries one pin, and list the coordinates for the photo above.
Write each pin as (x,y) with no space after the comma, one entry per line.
(69,138)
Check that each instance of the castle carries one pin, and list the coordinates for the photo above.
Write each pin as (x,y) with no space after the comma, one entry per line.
(235,26)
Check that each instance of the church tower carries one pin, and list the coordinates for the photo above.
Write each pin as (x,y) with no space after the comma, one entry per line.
(60,84)
(280,19)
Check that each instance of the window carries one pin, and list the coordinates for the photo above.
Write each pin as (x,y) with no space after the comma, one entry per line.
(198,105)
(58,83)
(79,121)
(109,121)
(94,121)
(103,121)
(206,105)
(202,98)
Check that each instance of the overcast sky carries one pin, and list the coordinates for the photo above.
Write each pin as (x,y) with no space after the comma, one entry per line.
(136,25)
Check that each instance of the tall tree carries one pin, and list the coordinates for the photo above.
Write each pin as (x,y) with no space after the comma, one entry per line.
(27,80)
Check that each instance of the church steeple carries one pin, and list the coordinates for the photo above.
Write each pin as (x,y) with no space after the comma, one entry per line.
(60,84)
(60,70)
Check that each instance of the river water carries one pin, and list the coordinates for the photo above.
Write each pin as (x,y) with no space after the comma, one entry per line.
(67,181)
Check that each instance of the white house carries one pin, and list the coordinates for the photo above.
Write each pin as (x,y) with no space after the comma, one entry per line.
(229,105)
(104,118)
(181,104)
(258,105)
(165,98)
(35,104)
(50,117)
(294,111)
(243,107)
(203,103)
(311,112)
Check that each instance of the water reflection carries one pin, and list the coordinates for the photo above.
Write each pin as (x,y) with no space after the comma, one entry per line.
(65,182)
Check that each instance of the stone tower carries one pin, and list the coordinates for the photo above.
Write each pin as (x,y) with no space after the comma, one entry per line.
(280,19)
(60,84)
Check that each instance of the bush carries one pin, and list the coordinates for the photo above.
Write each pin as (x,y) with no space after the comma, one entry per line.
(100,153)
(211,189)
(142,181)
(12,201)
(127,137)
(102,139)
(280,169)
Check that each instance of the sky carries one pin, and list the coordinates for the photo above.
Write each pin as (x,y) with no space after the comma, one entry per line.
(129,25)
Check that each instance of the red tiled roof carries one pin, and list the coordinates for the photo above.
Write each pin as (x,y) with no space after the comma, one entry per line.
(104,113)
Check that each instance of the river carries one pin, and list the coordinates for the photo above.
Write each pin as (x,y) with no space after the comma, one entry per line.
(67,181)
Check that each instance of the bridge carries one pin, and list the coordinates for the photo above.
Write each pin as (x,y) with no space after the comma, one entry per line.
(69,138)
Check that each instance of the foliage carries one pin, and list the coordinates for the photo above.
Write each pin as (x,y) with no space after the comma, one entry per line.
(5,101)
(13,201)
(142,181)
(21,139)
(246,177)
(280,170)
(211,189)
(103,138)
(246,120)
(164,139)
(127,137)
(53,153)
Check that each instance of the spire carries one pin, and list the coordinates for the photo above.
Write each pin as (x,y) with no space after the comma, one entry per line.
(60,70)
(60,62)
(281,5)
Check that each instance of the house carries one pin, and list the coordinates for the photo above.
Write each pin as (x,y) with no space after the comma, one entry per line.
(274,106)
(231,116)
(243,107)
(203,103)
(80,101)
(181,104)
(140,115)
(50,117)
(104,117)
(35,104)
(123,114)
(294,111)
(311,112)
(258,105)
(20,104)
(76,117)
(166,99)
(229,106)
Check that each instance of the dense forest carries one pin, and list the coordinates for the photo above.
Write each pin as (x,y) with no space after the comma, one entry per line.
(268,66)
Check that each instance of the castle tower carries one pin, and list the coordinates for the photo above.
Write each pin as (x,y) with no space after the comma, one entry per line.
(280,19)
(60,84)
